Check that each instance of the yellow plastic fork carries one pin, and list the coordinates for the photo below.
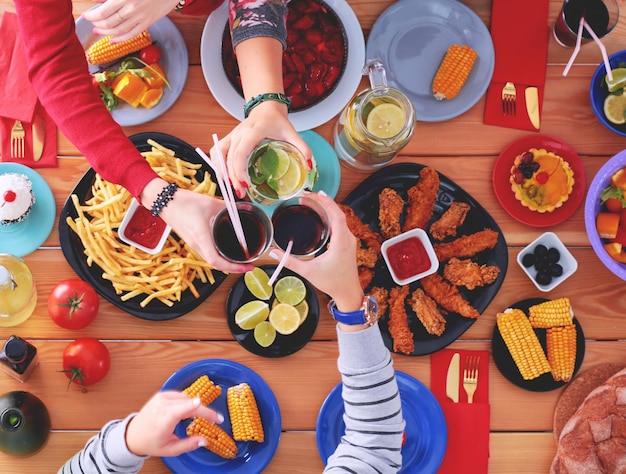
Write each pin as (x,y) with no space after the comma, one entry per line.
(17,140)
(470,377)
(509,99)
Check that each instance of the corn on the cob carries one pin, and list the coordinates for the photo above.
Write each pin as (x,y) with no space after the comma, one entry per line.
(217,439)
(204,388)
(522,343)
(551,313)
(453,71)
(102,51)
(245,419)
(561,345)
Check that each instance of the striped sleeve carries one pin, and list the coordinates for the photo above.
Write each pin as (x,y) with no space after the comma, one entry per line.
(105,452)
(373,412)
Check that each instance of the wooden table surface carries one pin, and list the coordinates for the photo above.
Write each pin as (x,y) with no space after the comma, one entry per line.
(145,353)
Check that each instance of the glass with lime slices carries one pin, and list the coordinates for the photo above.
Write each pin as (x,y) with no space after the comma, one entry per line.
(277,171)
(376,125)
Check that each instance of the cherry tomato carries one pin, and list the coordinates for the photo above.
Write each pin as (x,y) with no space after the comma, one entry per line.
(613,205)
(73,304)
(86,361)
(150,54)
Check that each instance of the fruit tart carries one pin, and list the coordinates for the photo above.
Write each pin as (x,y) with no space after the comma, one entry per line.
(541,180)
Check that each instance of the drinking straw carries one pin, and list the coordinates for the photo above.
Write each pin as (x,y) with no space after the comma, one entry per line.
(227,193)
(605,58)
(281,264)
(577,48)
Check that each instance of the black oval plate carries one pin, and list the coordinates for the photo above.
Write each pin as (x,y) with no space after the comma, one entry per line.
(283,345)
(73,247)
(506,364)
(400,177)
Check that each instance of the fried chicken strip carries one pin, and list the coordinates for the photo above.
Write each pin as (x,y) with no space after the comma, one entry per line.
(365,277)
(360,230)
(421,200)
(389,211)
(382,296)
(467,245)
(427,312)
(366,257)
(449,221)
(469,274)
(398,321)
(448,296)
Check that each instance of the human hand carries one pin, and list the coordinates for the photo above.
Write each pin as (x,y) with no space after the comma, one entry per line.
(335,271)
(124,19)
(151,431)
(266,120)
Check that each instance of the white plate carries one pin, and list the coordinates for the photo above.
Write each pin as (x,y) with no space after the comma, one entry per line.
(232,102)
(411,38)
(174,61)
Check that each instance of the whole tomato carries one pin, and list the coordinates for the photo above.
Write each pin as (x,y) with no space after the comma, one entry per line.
(73,304)
(150,54)
(86,361)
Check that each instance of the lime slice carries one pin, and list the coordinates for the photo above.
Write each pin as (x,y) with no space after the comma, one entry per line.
(264,334)
(285,319)
(303,309)
(619,79)
(290,290)
(251,314)
(614,107)
(283,164)
(256,281)
(291,181)
(386,120)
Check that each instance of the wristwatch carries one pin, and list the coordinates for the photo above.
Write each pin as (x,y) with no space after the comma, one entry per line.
(368,314)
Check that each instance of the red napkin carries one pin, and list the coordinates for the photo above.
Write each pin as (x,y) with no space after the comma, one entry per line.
(18,100)
(520,34)
(468,424)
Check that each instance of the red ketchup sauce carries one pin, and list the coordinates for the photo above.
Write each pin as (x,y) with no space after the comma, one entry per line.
(408,257)
(144,228)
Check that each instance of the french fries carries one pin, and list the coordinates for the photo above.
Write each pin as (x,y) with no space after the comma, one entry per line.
(132,272)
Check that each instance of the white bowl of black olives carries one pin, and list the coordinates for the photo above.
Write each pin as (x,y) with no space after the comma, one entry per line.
(547,262)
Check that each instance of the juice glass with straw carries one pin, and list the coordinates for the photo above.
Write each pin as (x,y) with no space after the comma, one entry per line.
(601,15)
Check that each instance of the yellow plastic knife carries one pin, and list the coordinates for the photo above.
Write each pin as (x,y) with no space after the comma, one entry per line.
(39,136)
(452,380)
(532,106)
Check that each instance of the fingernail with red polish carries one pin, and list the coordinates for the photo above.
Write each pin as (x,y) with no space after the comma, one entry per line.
(239,193)
(244,184)
(309,163)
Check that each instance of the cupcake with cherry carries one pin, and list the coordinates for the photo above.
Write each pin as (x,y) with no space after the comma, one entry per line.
(16,198)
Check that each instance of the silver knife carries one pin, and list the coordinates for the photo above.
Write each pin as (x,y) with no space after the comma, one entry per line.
(452,380)
(532,105)
(39,136)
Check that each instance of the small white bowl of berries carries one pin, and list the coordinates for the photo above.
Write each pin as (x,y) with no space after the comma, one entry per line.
(547,261)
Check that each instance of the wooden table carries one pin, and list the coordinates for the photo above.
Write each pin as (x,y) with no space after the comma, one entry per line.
(145,353)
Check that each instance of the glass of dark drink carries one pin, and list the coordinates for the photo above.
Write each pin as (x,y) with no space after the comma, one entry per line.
(304,221)
(601,15)
(257,228)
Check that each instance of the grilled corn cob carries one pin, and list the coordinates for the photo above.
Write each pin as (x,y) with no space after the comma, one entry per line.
(245,419)
(551,313)
(217,439)
(453,71)
(561,345)
(522,343)
(102,51)
(204,388)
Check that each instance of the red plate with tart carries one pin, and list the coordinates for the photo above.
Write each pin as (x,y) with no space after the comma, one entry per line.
(519,184)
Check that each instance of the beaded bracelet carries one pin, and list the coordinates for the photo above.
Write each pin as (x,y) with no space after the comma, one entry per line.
(179,6)
(256,100)
(164,197)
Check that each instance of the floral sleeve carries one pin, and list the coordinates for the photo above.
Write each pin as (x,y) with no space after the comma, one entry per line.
(251,18)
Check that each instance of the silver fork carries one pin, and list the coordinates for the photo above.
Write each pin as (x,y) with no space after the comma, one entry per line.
(470,377)
(509,99)
(17,140)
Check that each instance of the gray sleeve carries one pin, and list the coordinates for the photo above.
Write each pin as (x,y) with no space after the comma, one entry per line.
(106,452)
(373,412)
(261,18)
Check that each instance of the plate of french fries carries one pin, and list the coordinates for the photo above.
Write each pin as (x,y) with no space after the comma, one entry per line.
(157,287)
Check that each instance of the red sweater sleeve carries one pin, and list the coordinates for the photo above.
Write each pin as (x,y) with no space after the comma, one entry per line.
(59,73)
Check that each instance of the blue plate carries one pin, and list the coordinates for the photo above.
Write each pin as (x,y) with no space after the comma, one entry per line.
(426,429)
(329,171)
(411,38)
(253,457)
(24,237)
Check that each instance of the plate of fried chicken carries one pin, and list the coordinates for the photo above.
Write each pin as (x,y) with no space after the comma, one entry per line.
(427,315)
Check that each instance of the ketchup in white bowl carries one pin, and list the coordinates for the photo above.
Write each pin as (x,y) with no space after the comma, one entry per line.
(410,256)
(143,230)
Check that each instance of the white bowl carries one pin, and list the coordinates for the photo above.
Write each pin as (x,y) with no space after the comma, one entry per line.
(432,261)
(123,234)
(567,260)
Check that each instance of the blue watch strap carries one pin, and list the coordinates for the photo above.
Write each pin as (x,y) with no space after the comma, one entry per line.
(350,318)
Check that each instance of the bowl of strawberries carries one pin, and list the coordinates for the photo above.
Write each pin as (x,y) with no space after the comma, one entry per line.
(605,214)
